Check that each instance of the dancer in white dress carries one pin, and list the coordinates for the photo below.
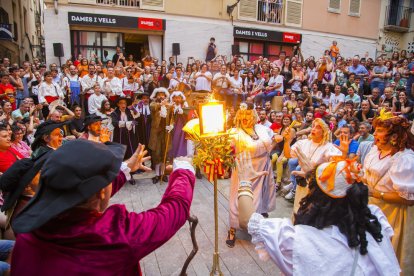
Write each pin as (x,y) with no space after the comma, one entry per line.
(335,231)
(257,140)
(317,149)
(389,174)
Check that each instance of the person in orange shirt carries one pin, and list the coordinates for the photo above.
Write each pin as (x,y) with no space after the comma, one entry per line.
(83,67)
(147,60)
(130,61)
(334,50)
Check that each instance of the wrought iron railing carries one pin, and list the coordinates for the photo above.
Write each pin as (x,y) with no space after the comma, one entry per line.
(270,11)
(123,3)
(398,16)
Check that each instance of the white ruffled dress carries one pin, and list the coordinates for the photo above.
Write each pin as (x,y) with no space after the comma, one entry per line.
(305,250)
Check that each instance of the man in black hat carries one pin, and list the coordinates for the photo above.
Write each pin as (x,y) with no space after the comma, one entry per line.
(93,131)
(67,227)
(48,136)
(143,129)
(21,180)
(124,122)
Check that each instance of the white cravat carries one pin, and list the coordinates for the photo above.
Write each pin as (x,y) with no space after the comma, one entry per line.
(124,116)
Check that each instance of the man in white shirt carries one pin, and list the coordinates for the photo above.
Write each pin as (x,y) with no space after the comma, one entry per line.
(203,80)
(112,86)
(274,87)
(263,119)
(88,83)
(237,88)
(337,100)
(276,81)
(95,100)
(221,82)
(129,85)
(175,81)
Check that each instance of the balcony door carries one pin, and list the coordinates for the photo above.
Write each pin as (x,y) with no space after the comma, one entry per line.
(394,7)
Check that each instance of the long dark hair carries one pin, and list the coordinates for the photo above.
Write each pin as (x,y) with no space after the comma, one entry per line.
(350,214)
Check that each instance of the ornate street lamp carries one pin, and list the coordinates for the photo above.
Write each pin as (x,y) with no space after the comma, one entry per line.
(213,154)
(212,125)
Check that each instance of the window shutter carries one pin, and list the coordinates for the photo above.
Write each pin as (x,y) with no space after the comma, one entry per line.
(248,10)
(334,5)
(152,5)
(293,13)
(354,7)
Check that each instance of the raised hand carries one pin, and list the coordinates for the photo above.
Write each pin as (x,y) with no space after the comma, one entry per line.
(137,160)
(245,168)
(105,135)
(343,144)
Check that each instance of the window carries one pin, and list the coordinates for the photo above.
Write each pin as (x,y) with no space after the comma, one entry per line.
(4,16)
(103,45)
(334,6)
(252,50)
(248,10)
(354,7)
(293,15)
(270,11)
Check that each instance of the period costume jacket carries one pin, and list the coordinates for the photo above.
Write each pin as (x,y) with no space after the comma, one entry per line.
(112,242)
(160,118)
(124,130)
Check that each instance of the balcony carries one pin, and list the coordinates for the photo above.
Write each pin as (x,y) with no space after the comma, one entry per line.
(122,3)
(6,31)
(270,11)
(397,18)
(274,12)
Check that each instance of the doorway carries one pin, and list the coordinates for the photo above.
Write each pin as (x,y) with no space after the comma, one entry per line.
(136,45)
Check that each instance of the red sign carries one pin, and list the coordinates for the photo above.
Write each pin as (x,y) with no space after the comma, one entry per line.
(291,38)
(150,24)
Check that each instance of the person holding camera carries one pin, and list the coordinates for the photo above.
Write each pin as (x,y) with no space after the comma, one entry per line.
(211,50)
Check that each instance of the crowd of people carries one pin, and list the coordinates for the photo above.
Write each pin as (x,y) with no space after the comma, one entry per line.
(292,114)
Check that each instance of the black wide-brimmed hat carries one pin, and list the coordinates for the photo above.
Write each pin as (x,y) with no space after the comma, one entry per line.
(71,175)
(46,128)
(128,100)
(90,119)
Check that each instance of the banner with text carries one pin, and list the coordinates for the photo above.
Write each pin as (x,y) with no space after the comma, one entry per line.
(105,20)
(256,34)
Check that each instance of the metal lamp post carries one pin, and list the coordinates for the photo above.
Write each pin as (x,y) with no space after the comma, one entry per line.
(213,126)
